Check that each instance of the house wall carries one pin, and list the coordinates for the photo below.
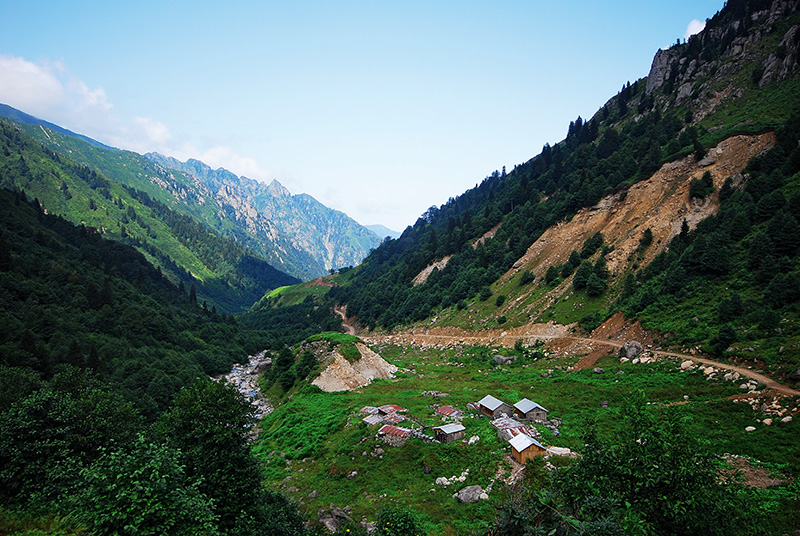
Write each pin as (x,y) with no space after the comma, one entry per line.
(528,453)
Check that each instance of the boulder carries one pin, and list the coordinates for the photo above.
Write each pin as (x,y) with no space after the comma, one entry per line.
(750,429)
(330,523)
(631,349)
(261,367)
(470,494)
(504,360)
(598,370)
(788,418)
(313,495)
(338,513)
(688,364)
(767,422)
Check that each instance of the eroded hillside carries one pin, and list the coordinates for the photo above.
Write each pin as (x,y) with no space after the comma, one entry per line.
(660,203)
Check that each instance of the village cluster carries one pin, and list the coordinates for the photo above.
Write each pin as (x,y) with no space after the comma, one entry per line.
(513,424)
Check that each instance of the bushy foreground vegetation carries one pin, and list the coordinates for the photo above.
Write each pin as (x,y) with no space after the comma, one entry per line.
(71,447)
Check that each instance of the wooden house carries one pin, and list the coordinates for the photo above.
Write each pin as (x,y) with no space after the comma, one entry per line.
(492,407)
(524,447)
(449,433)
(530,411)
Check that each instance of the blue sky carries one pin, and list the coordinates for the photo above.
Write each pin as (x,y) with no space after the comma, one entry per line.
(377,109)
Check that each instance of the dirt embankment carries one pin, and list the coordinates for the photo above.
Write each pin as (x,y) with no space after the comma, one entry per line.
(342,375)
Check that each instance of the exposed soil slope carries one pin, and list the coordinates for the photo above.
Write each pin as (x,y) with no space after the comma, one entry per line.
(660,203)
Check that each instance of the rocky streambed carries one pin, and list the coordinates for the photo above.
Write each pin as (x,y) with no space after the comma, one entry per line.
(244,376)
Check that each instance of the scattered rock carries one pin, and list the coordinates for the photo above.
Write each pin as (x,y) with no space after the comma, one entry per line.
(313,495)
(292,489)
(338,513)
(472,440)
(598,370)
(767,422)
(786,419)
(688,364)
(504,360)
(623,359)
(631,349)
(470,494)
(352,474)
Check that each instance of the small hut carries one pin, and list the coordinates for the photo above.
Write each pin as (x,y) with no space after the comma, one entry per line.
(493,407)
(394,435)
(449,433)
(524,447)
(530,411)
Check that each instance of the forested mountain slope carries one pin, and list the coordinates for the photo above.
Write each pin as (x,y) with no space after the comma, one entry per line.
(222,270)
(681,129)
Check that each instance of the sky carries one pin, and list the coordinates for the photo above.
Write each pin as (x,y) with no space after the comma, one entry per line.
(377,109)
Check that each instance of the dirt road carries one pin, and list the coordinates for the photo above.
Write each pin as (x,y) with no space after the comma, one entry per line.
(551,333)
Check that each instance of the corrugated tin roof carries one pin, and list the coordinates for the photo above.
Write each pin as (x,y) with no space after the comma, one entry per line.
(504,423)
(393,418)
(451,428)
(526,405)
(448,411)
(521,442)
(490,402)
(372,420)
(393,430)
(372,410)
(391,408)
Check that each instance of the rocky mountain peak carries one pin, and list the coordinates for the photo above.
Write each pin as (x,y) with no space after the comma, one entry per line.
(277,189)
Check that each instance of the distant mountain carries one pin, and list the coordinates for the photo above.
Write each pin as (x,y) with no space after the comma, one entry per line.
(383,231)
(294,233)
(331,237)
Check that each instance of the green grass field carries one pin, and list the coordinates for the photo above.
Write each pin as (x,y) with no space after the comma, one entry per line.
(319,441)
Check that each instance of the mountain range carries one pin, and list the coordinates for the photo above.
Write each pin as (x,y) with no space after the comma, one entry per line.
(293,234)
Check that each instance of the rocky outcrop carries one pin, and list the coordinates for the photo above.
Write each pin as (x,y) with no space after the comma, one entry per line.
(342,375)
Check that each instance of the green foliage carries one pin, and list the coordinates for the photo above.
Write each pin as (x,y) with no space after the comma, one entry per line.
(702,187)
(209,424)
(397,521)
(142,489)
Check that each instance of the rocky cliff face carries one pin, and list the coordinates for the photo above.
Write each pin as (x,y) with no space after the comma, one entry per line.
(764,44)
(311,237)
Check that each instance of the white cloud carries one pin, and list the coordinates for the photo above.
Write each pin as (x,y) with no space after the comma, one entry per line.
(695,27)
(48,91)
(27,86)
(155,131)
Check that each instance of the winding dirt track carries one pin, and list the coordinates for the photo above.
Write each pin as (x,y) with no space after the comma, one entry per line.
(552,333)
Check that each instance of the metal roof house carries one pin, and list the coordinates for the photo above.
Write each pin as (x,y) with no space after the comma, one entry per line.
(449,411)
(449,433)
(525,447)
(530,411)
(391,408)
(394,435)
(492,407)
(508,428)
